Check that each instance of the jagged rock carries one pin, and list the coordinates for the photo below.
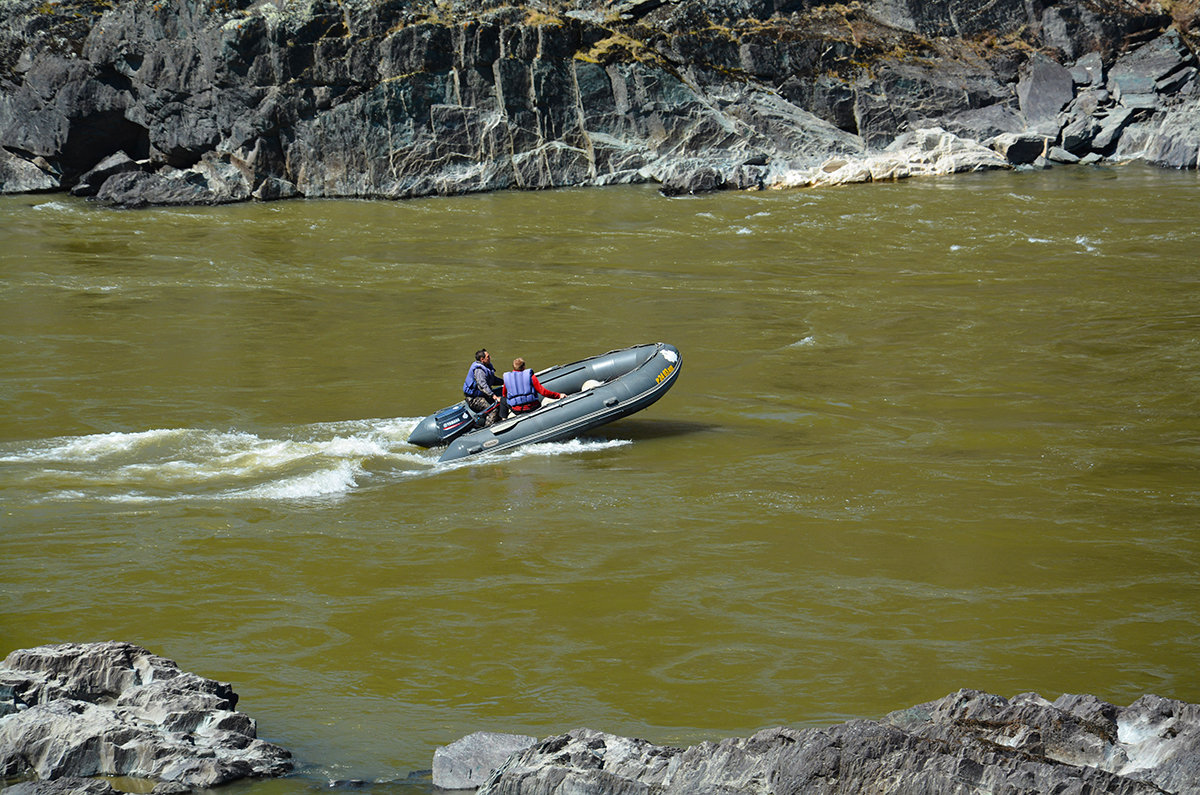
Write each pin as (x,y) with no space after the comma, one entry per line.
(982,124)
(1021,148)
(18,175)
(918,153)
(1177,81)
(214,180)
(8,700)
(682,179)
(1176,141)
(1138,75)
(1091,102)
(1078,135)
(1044,90)
(1111,127)
(1138,102)
(69,785)
(1088,71)
(466,763)
(968,743)
(116,709)
(951,95)
(1059,155)
(1131,145)
(89,184)
(273,188)
(139,189)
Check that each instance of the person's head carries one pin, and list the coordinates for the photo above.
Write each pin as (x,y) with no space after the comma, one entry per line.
(482,355)
(518,363)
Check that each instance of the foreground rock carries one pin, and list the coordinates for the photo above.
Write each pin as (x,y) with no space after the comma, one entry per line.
(968,743)
(252,99)
(73,785)
(115,709)
(465,764)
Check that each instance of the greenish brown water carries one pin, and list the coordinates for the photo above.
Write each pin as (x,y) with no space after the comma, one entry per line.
(928,435)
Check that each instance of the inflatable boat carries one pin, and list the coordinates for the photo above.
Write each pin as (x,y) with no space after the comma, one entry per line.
(598,390)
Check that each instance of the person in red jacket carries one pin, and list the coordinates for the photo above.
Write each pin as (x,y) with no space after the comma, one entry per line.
(522,389)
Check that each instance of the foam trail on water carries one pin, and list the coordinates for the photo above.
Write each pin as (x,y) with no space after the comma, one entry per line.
(184,463)
(325,483)
(84,449)
(320,461)
(568,447)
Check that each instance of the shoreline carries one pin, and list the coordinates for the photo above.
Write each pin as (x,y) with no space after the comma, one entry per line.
(135,104)
(91,717)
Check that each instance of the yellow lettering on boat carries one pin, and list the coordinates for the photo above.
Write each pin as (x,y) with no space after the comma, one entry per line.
(664,374)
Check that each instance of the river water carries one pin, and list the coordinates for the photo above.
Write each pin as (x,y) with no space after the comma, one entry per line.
(929,435)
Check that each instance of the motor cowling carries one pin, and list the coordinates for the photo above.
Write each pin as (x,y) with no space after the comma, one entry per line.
(443,427)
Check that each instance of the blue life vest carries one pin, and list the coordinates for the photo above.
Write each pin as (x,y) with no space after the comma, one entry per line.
(469,388)
(518,386)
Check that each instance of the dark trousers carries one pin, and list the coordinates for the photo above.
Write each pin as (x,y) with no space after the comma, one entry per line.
(481,404)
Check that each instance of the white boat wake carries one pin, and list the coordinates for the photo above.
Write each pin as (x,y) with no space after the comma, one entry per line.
(320,461)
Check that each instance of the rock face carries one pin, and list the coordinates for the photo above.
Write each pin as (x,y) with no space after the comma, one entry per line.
(222,102)
(466,763)
(968,743)
(71,785)
(115,709)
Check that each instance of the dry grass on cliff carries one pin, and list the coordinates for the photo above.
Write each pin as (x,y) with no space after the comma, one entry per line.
(1185,14)
(619,48)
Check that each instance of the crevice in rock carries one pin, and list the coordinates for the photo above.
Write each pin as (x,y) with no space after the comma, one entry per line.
(95,137)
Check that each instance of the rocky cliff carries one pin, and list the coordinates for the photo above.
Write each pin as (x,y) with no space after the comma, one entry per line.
(206,101)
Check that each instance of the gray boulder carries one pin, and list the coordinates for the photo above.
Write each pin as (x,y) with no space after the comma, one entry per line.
(1043,90)
(1112,126)
(968,743)
(1059,155)
(1175,143)
(273,188)
(18,175)
(116,709)
(89,184)
(216,179)
(1079,133)
(140,189)
(925,152)
(466,763)
(68,785)
(1021,148)
(985,123)
(1088,71)
(1162,65)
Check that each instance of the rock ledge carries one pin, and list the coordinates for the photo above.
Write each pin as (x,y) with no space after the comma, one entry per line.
(116,709)
(968,743)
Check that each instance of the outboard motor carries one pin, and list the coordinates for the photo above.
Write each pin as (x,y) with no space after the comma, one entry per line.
(446,426)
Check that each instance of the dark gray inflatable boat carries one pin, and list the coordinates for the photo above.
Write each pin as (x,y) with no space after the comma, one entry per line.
(598,390)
